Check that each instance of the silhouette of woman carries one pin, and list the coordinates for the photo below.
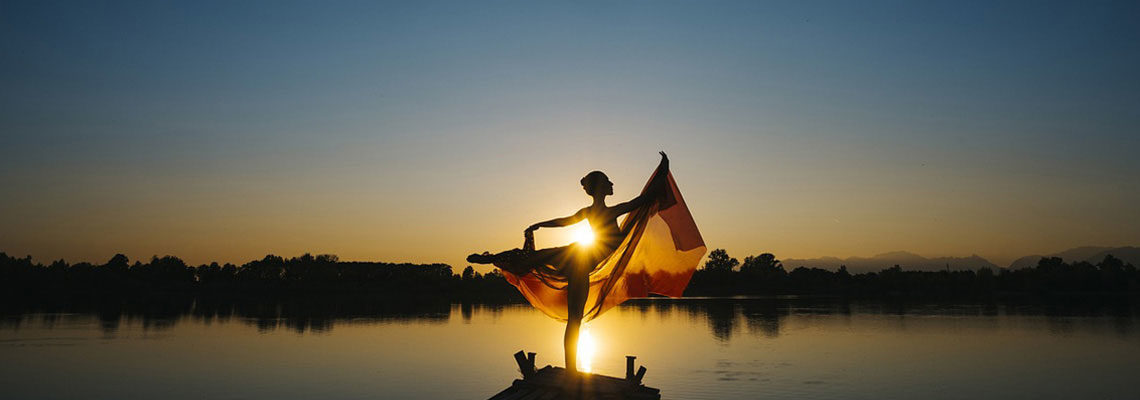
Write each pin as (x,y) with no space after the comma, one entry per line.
(575,261)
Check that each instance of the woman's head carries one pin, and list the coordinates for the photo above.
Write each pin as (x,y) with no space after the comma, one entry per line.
(597,183)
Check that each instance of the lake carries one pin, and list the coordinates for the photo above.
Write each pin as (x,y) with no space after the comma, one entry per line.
(769,348)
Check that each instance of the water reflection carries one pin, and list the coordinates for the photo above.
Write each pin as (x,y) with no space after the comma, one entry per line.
(369,347)
(308,314)
(723,317)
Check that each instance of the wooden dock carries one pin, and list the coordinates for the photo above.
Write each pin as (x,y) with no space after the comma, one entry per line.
(552,383)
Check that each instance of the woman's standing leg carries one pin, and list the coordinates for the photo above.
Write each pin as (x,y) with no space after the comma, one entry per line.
(578,288)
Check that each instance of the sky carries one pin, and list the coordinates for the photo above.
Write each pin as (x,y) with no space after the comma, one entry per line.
(425,131)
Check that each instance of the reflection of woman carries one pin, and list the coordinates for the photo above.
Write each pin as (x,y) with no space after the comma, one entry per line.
(576,261)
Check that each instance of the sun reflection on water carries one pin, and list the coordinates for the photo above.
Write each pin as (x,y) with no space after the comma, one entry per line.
(586,349)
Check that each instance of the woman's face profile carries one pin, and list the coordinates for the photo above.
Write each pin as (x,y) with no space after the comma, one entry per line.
(606,186)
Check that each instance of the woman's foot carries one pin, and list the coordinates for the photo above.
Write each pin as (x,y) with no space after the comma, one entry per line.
(485,258)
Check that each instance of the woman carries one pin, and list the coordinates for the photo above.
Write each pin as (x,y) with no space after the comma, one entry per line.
(575,262)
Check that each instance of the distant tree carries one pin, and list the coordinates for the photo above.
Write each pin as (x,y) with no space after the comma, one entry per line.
(208,273)
(495,274)
(117,263)
(229,270)
(270,268)
(169,269)
(1112,273)
(1111,263)
(720,261)
(985,273)
(762,274)
(842,272)
(58,265)
(468,273)
(761,264)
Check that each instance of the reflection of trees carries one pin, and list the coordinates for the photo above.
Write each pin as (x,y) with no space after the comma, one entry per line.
(302,313)
(109,318)
(722,315)
(319,313)
(466,310)
(305,294)
(764,315)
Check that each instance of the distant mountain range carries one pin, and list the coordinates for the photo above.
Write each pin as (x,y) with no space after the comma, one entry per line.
(1092,254)
(906,260)
(914,262)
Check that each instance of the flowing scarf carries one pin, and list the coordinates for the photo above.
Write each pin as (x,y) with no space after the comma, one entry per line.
(659,253)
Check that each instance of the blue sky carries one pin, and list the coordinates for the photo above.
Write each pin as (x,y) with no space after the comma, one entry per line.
(423,131)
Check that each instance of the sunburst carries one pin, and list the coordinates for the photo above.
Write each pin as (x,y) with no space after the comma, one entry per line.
(583,234)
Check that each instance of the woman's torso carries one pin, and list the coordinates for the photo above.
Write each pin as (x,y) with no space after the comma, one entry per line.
(604,223)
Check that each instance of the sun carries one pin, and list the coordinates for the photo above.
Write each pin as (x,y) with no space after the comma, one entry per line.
(583,234)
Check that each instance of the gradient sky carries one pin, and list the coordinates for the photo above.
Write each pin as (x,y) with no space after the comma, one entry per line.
(424,131)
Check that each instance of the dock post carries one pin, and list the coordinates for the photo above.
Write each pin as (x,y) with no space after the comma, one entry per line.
(525,367)
(640,375)
(629,367)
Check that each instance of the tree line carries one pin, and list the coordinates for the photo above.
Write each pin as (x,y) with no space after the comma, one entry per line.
(304,274)
(721,275)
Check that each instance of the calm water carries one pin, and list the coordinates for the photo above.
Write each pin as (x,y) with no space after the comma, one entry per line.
(693,349)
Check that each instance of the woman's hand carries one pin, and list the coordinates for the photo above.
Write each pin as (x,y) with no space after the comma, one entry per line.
(661,183)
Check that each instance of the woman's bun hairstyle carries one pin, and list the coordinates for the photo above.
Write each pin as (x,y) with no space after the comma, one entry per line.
(591,180)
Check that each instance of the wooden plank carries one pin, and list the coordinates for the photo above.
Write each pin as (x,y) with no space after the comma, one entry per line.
(505,393)
(535,394)
(518,394)
(550,395)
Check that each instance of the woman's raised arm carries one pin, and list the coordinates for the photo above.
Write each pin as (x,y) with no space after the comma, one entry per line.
(557,222)
(658,184)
